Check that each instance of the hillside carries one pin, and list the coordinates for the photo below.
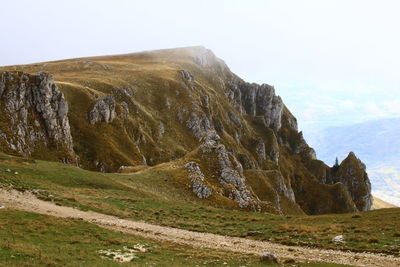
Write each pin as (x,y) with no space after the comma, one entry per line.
(229,143)
(155,198)
(380,204)
(376,142)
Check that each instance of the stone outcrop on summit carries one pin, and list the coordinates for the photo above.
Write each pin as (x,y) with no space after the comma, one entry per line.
(236,143)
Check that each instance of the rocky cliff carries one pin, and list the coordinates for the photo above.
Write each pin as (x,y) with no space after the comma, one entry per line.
(352,174)
(236,143)
(34,118)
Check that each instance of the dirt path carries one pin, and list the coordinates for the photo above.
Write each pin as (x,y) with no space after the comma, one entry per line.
(28,202)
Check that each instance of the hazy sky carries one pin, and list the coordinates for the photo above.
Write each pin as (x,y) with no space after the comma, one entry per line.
(333,62)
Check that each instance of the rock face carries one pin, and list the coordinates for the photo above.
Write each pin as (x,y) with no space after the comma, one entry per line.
(36,114)
(352,174)
(197,179)
(257,100)
(199,124)
(103,110)
(303,148)
(230,171)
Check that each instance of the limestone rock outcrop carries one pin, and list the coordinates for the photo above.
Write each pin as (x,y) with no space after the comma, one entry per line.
(352,174)
(199,124)
(187,75)
(257,100)
(197,178)
(103,110)
(34,114)
(230,171)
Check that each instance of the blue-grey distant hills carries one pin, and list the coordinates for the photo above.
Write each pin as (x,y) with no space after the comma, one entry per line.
(376,142)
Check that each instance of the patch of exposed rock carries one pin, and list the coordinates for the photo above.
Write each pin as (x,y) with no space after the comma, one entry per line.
(199,124)
(187,75)
(197,179)
(338,239)
(231,171)
(257,100)
(260,150)
(352,174)
(304,149)
(36,114)
(103,110)
(269,258)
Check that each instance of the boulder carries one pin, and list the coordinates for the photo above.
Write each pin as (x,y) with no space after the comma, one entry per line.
(269,258)
(338,239)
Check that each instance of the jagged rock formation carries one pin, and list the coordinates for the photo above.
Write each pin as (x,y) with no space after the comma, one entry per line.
(197,179)
(230,171)
(257,100)
(237,141)
(34,115)
(352,174)
(104,110)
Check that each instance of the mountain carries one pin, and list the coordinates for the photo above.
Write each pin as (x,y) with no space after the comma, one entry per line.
(234,144)
(376,142)
(380,204)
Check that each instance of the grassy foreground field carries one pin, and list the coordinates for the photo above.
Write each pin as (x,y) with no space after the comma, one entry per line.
(155,195)
(29,239)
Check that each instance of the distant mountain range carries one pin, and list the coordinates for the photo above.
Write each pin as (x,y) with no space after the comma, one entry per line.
(376,142)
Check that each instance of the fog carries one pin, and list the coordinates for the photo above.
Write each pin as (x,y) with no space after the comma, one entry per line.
(333,62)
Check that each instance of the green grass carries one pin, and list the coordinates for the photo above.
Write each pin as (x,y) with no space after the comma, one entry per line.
(155,196)
(28,239)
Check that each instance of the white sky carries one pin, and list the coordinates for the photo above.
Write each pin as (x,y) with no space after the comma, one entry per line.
(333,62)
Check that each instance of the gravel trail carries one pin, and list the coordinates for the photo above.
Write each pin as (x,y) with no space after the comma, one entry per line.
(28,202)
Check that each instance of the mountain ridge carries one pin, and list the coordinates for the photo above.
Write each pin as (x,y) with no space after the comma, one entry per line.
(237,141)
(376,142)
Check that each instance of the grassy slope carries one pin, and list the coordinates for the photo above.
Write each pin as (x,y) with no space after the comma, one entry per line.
(28,239)
(153,77)
(153,195)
